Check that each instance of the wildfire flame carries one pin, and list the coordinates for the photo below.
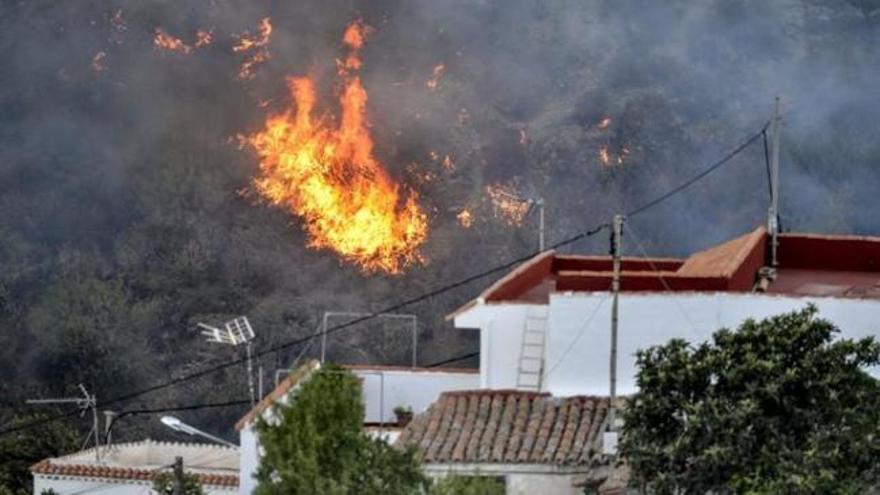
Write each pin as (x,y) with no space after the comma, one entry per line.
(605,155)
(604,124)
(257,46)
(465,219)
(98,61)
(328,176)
(165,41)
(435,77)
(604,158)
(507,204)
(204,38)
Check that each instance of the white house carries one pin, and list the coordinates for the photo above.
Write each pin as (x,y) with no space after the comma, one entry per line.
(384,388)
(129,468)
(546,325)
(533,414)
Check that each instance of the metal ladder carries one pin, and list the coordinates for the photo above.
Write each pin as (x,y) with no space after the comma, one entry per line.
(531,358)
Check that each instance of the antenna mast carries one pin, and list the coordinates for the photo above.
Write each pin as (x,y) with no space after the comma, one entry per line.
(87,401)
(773,212)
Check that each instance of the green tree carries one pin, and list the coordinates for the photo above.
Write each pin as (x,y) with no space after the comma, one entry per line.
(22,449)
(316,445)
(456,484)
(163,484)
(90,331)
(776,406)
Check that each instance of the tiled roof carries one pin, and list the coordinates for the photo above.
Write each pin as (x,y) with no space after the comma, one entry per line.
(215,465)
(508,426)
(46,467)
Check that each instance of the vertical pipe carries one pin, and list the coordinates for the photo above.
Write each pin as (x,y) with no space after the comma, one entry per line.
(773,214)
(615,289)
(324,338)
(415,342)
(250,371)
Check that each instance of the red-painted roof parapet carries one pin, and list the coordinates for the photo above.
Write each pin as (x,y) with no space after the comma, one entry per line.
(732,266)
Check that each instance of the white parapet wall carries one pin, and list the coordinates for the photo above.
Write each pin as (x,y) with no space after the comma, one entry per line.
(579,342)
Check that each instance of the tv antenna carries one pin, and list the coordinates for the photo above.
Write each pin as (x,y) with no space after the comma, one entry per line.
(235,332)
(84,403)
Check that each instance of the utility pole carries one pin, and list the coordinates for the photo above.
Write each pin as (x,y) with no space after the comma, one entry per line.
(609,443)
(178,476)
(773,213)
(87,401)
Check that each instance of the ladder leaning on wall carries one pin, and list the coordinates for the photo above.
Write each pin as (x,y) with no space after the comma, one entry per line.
(531,358)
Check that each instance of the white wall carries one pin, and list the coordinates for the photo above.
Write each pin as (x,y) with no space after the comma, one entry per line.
(650,319)
(520,479)
(415,389)
(501,328)
(249,460)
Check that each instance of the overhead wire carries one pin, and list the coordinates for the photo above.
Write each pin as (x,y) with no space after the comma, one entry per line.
(425,296)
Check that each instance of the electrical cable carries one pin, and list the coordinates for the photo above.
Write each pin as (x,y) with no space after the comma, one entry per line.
(726,158)
(453,359)
(767,164)
(408,302)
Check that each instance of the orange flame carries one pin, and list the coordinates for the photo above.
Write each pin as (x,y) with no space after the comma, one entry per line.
(604,124)
(436,75)
(204,38)
(329,176)
(98,61)
(165,41)
(258,45)
(507,204)
(465,219)
(604,157)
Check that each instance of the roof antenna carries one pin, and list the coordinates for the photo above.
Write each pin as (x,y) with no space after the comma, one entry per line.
(768,273)
(773,212)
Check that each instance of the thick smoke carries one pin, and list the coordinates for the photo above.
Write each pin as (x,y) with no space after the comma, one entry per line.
(130,173)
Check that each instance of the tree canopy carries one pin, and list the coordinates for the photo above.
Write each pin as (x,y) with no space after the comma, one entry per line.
(315,444)
(775,406)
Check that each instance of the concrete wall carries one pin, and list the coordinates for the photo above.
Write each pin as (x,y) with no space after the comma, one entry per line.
(520,479)
(578,338)
(249,460)
(578,345)
(77,486)
(386,389)
(501,327)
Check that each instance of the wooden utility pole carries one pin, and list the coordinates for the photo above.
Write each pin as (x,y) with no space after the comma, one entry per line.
(773,213)
(178,476)
(616,232)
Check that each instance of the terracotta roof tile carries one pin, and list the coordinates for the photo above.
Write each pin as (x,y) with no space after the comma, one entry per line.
(491,426)
(123,473)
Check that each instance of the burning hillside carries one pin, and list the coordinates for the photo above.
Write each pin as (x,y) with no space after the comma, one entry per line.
(325,172)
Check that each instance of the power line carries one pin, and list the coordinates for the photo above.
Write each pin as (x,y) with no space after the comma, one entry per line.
(408,302)
(453,359)
(708,170)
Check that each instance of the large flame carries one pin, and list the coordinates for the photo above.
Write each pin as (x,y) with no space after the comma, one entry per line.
(328,175)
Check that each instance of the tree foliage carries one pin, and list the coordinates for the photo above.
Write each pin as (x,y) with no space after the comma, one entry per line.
(22,449)
(163,484)
(776,406)
(316,444)
(457,484)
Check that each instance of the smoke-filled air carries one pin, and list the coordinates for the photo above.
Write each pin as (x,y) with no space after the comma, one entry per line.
(168,163)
